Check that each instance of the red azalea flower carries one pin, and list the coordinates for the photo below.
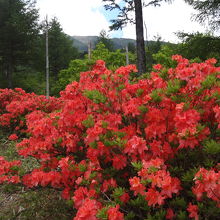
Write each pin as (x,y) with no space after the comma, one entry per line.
(115,214)
(157,67)
(170,214)
(193,211)
(13,137)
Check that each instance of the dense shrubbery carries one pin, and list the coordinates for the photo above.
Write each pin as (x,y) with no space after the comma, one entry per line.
(113,60)
(124,150)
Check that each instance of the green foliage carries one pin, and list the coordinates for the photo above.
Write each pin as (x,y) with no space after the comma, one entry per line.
(72,73)
(89,122)
(18,36)
(102,213)
(208,12)
(179,203)
(209,81)
(140,203)
(155,95)
(30,80)
(95,96)
(196,47)
(173,86)
(182,215)
(152,48)
(199,45)
(113,59)
(61,49)
(212,147)
(160,215)
(130,216)
(163,56)
(117,193)
(189,175)
(143,109)
(137,165)
(104,38)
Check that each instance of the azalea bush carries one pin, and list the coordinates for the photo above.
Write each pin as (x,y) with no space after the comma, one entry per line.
(123,149)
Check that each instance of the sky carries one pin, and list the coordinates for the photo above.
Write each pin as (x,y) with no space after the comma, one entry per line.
(88,18)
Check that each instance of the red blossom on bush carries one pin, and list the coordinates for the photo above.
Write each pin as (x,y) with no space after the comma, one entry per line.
(13,137)
(88,210)
(207,181)
(158,67)
(170,214)
(193,211)
(115,214)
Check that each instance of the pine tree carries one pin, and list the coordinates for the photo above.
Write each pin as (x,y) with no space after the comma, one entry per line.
(18,31)
(61,49)
(208,11)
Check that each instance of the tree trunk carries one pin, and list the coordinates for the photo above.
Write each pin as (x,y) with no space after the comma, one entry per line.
(141,57)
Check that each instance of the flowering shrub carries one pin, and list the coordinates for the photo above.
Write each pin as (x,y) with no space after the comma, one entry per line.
(121,150)
(8,171)
(15,104)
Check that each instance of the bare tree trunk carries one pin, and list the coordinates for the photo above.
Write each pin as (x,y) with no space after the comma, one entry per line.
(141,57)
(89,50)
(127,56)
(47,63)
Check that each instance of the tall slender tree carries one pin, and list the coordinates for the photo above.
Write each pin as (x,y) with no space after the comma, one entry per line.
(18,31)
(124,18)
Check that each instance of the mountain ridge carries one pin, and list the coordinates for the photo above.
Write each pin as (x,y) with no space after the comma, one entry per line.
(81,42)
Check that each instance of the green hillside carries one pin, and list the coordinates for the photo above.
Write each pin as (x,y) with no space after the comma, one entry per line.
(81,42)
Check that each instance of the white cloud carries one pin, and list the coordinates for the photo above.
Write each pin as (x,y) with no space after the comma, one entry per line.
(166,20)
(76,17)
(84,17)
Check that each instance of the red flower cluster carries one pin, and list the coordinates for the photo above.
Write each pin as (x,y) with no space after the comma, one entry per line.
(193,211)
(207,181)
(8,173)
(13,137)
(160,185)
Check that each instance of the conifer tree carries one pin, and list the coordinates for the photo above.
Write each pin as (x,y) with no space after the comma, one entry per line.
(208,11)
(18,32)
(61,49)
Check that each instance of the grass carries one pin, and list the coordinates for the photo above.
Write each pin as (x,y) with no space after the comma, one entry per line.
(20,203)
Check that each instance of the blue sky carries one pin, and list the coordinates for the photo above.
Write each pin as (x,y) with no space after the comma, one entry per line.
(109,15)
(88,17)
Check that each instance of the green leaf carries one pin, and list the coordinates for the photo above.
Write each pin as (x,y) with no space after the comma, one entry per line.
(118,192)
(102,213)
(137,165)
(89,122)
(179,203)
(212,147)
(143,109)
(209,81)
(173,86)
(96,96)
(189,175)
(156,95)
(139,92)
(182,215)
